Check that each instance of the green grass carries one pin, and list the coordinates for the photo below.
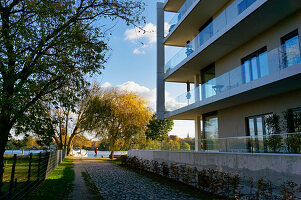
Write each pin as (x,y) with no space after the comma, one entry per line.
(91,186)
(21,171)
(58,185)
(194,192)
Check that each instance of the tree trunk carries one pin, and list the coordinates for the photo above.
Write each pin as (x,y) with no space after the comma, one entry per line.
(3,141)
(69,149)
(112,155)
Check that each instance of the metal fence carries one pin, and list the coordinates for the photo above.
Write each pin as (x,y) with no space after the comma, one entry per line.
(23,173)
(272,143)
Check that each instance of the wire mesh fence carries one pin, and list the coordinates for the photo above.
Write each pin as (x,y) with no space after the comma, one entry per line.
(23,173)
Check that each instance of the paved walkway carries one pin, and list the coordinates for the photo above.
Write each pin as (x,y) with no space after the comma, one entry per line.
(80,190)
(117,183)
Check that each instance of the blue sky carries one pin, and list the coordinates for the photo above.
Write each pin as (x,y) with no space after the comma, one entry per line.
(132,64)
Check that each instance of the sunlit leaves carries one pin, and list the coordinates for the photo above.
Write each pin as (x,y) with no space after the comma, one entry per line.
(118,116)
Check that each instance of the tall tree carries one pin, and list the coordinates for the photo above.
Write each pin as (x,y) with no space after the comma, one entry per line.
(118,117)
(45,45)
(59,120)
(158,129)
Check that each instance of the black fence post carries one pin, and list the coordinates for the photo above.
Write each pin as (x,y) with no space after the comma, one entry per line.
(1,173)
(29,167)
(39,167)
(46,164)
(12,178)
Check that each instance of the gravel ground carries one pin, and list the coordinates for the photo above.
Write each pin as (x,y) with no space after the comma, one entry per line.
(117,183)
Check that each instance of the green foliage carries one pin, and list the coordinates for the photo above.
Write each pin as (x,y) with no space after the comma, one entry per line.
(171,145)
(274,142)
(273,124)
(185,146)
(118,117)
(293,142)
(289,120)
(50,45)
(158,129)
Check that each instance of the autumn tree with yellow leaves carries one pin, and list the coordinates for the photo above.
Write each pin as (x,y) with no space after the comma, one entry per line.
(119,117)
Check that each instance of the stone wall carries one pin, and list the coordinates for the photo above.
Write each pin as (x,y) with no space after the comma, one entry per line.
(277,168)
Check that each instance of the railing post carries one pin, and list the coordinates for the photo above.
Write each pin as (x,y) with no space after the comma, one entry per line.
(29,167)
(39,167)
(12,178)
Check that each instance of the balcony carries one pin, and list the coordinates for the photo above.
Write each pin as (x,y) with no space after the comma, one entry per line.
(233,24)
(270,143)
(188,19)
(226,17)
(284,59)
(187,5)
(173,5)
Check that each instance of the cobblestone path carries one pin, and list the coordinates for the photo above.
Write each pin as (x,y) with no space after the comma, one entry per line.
(117,183)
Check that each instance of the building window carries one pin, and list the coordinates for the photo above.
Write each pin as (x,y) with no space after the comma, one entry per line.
(208,81)
(290,49)
(257,129)
(255,65)
(210,131)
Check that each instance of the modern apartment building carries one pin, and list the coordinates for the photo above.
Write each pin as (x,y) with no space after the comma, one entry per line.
(243,58)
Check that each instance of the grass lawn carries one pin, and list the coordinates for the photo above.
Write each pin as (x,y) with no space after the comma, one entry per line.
(165,181)
(21,172)
(58,185)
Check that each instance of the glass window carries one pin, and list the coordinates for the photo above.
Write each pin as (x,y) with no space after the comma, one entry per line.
(255,65)
(207,80)
(263,64)
(254,68)
(257,130)
(290,54)
(247,72)
(210,132)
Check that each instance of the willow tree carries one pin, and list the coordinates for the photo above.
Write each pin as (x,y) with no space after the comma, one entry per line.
(118,117)
(45,45)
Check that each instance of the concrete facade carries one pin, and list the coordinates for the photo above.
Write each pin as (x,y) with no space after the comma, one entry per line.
(274,167)
(274,93)
(263,24)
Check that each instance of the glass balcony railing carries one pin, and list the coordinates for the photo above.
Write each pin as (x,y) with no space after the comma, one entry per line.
(270,143)
(218,24)
(178,16)
(267,63)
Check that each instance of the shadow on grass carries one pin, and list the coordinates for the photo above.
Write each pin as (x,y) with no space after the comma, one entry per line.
(58,184)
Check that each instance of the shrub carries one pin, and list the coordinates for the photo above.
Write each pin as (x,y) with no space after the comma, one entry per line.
(124,159)
(293,143)
(165,169)
(274,142)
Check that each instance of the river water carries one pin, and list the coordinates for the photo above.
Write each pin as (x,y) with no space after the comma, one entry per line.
(104,154)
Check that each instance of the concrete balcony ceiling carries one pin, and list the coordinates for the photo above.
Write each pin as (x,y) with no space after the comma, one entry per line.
(233,36)
(173,5)
(188,27)
(276,83)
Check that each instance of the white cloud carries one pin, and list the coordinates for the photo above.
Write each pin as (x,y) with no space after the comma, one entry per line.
(181,128)
(106,85)
(148,32)
(140,50)
(144,36)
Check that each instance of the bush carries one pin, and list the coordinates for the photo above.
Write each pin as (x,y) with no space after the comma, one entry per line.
(224,185)
(274,142)
(293,143)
